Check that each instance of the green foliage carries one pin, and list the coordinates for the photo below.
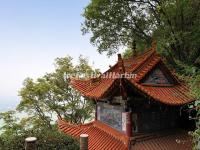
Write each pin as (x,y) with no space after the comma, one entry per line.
(52,94)
(14,132)
(10,126)
(195,86)
(179,29)
(128,53)
(115,23)
(46,139)
(42,100)
(174,24)
(191,75)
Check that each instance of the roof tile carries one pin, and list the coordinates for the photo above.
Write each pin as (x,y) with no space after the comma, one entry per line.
(175,140)
(140,65)
(101,136)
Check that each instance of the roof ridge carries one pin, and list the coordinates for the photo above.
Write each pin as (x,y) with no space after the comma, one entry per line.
(151,49)
(141,54)
(145,61)
(146,68)
(60,120)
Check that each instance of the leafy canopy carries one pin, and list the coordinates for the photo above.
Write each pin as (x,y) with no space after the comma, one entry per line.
(174,24)
(42,100)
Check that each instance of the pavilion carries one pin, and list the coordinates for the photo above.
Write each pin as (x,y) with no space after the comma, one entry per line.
(139,105)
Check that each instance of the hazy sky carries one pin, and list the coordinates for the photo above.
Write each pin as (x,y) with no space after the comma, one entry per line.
(33,33)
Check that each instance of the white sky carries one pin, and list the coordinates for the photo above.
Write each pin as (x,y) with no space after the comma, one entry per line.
(33,33)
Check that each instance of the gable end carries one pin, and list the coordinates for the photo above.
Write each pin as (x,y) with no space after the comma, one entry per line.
(158,77)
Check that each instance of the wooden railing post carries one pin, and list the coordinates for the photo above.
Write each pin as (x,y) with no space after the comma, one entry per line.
(83,142)
(30,143)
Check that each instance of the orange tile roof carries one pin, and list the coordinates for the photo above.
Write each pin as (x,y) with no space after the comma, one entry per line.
(176,140)
(135,63)
(87,88)
(101,136)
(171,95)
(141,65)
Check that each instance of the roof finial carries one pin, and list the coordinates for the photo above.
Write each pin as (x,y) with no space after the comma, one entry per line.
(119,57)
(121,64)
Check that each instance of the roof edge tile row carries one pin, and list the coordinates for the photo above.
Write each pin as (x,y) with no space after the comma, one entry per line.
(98,133)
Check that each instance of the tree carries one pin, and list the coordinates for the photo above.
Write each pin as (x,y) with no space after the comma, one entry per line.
(42,100)
(14,132)
(195,92)
(174,24)
(52,94)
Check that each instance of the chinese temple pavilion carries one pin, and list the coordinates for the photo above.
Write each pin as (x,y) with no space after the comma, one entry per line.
(139,106)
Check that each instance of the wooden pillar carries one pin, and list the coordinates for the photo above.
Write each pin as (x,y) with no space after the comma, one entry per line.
(96,112)
(30,143)
(127,123)
(83,142)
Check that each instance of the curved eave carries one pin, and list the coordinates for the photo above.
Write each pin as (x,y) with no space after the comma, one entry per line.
(170,95)
(96,92)
(101,136)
